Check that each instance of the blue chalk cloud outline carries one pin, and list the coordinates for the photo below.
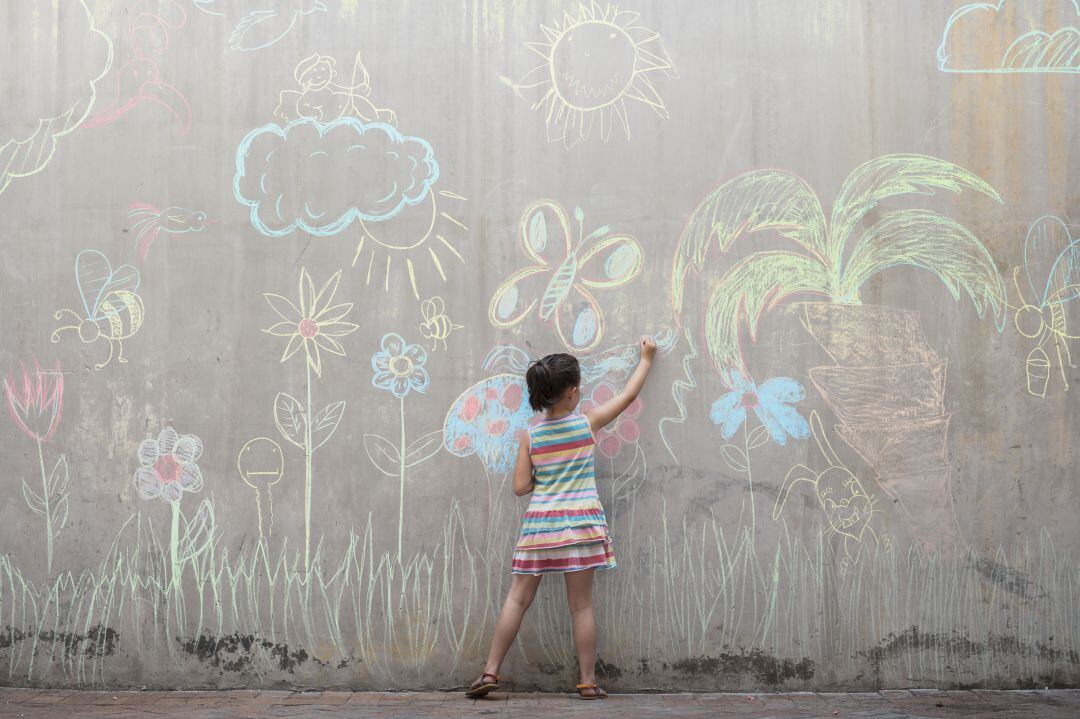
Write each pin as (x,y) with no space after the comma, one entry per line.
(1034,43)
(351,214)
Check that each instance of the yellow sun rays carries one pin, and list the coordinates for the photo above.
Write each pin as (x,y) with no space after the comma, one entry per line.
(592,64)
(417,235)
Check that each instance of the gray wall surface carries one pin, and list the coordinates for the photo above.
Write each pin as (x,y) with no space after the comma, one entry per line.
(272,271)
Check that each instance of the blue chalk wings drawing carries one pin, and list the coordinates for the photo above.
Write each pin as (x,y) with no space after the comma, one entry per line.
(260,23)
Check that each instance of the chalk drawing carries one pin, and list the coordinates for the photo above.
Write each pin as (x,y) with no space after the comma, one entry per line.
(352,170)
(618,361)
(559,282)
(316,324)
(35,402)
(258,24)
(1052,268)
(149,222)
(887,388)
(261,464)
(398,368)
(829,264)
(112,311)
(773,402)
(168,467)
(322,97)
(849,509)
(679,388)
(418,231)
(623,431)
(486,418)
(31,131)
(138,81)
(437,326)
(1039,41)
(591,66)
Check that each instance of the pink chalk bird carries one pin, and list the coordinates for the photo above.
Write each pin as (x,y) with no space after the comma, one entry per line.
(139,79)
(150,222)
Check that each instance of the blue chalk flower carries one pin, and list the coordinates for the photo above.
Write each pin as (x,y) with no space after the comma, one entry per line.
(399,366)
(771,401)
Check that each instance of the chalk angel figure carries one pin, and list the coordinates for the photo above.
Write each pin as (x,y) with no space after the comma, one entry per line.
(321,96)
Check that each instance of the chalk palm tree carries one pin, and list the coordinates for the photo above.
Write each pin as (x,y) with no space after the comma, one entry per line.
(887,388)
(831,260)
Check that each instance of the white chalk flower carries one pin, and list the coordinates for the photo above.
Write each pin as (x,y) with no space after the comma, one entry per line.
(167,466)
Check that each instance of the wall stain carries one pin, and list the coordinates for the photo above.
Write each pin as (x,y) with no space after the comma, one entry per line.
(912,640)
(235,652)
(1011,580)
(97,640)
(764,667)
(605,670)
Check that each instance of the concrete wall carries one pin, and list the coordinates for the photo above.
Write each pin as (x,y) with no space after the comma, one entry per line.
(270,282)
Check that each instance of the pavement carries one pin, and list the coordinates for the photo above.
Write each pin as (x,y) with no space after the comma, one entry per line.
(885,704)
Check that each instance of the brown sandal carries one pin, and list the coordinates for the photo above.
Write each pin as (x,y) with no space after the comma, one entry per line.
(595,691)
(478,690)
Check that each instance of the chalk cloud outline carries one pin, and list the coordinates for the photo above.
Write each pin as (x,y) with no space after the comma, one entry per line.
(1034,44)
(412,195)
(35,150)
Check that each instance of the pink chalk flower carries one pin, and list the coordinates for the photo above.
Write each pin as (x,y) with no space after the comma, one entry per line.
(167,466)
(624,430)
(35,401)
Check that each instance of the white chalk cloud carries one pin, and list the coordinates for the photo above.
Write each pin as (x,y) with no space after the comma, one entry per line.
(54,57)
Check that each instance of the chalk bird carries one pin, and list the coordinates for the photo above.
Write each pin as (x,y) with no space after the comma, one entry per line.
(264,22)
(139,79)
(150,222)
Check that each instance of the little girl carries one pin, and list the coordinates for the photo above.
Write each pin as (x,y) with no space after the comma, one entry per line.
(564,529)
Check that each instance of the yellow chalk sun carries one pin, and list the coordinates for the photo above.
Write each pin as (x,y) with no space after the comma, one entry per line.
(593,64)
(418,234)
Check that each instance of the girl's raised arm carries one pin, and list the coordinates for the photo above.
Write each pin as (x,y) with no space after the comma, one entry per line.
(604,414)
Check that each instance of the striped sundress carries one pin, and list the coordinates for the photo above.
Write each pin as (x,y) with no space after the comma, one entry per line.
(564,528)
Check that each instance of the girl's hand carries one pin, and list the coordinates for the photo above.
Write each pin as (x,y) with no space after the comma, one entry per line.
(648,347)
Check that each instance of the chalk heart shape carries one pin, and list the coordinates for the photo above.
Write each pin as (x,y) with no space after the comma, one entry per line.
(96,278)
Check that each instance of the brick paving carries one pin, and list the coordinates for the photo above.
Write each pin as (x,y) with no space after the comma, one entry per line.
(886,704)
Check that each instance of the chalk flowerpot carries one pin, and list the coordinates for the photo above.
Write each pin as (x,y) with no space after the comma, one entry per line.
(875,394)
(868,335)
(922,512)
(900,446)
(887,388)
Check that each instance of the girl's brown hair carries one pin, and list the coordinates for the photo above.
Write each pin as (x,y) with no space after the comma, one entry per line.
(549,377)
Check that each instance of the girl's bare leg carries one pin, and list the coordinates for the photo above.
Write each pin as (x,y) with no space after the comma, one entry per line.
(579,597)
(521,594)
